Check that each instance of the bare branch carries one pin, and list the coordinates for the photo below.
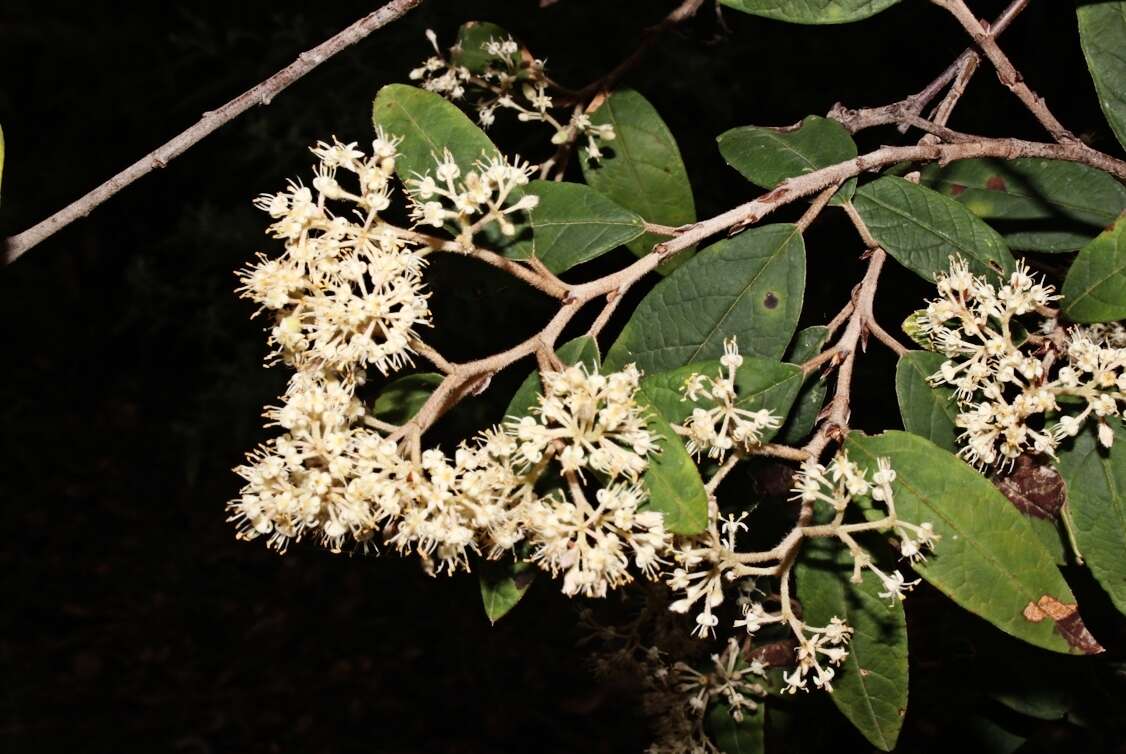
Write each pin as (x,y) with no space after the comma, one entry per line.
(262,94)
(857,120)
(1008,74)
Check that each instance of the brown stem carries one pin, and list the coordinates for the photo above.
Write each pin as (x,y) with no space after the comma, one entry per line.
(1006,72)
(790,190)
(262,94)
(815,207)
(855,120)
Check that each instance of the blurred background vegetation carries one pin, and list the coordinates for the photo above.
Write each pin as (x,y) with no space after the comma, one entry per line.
(132,382)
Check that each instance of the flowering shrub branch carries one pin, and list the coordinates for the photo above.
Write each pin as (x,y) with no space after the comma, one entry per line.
(611,473)
(569,481)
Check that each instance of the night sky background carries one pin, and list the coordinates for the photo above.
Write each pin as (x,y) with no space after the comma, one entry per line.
(132,382)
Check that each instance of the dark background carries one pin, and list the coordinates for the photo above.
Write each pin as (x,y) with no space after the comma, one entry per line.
(132,382)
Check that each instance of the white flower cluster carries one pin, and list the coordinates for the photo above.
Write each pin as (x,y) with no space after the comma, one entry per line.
(591,422)
(348,291)
(471,201)
(837,485)
(509,82)
(334,479)
(347,294)
(1006,381)
(724,425)
(709,563)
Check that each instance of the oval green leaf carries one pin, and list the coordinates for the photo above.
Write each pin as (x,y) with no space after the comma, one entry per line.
(472,36)
(641,169)
(921,228)
(811,11)
(927,411)
(988,559)
(871,685)
(428,124)
(768,156)
(503,585)
(749,286)
(1096,498)
(672,479)
(1049,240)
(1102,32)
(1030,189)
(1095,287)
(573,224)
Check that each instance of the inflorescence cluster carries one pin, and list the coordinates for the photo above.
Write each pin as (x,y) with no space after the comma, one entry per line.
(564,485)
(1020,388)
(512,81)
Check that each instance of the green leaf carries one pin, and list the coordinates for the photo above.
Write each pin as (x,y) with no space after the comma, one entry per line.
(988,560)
(401,399)
(428,124)
(921,228)
(641,168)
(672,479)
(1062,205)
(583,349)
(1096,498)
(807,344)
(749,286)
(760,383)
(1102,32)
(768,156)
(811,11)
(1030,189)
(927,410)
(1095,287)
(871,685)
(471,38)
(732,737)
(1051,241)
(573,224)
(503,584)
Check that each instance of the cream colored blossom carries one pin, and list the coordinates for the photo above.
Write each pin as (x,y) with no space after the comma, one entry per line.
(719,424)
(347,292)
(589,421)
(1006,383)
(508,82)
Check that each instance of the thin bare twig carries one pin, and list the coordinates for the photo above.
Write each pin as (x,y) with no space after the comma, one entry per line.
(262,94)
(835,425)
(815,207)
(1008,74)
(860,119)
(945,108)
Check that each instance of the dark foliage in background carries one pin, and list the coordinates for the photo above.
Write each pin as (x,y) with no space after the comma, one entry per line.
(132,383)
